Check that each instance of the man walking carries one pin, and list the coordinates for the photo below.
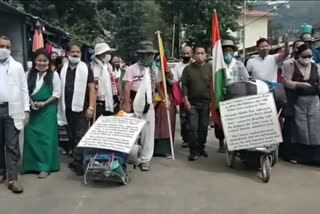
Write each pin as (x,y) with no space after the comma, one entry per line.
(14,114)
(142,80)
(196,79)
(76,106)
(237,72)
(186,55)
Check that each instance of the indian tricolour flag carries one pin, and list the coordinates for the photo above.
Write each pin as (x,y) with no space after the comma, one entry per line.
(218,69)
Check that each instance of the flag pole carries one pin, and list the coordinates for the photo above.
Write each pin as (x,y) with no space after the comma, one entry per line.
(165,92)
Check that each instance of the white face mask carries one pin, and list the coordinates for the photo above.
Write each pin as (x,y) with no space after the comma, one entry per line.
(107,58)
(4,53)
(305,61)
(74,60)
(46,68)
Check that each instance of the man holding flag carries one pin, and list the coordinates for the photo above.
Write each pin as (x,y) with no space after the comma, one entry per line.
(196,80)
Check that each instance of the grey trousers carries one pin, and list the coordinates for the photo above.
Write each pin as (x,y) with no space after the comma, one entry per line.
(9,146)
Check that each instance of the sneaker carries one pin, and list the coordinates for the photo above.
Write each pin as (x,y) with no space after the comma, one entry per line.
(185,144)
(203,154)
(192,157)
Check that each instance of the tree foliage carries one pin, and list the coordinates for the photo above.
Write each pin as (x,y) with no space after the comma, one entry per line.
(121,23)
(194,17)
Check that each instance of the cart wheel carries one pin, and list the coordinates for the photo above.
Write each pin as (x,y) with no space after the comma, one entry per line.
(265,169)
(230,159)
(275,157)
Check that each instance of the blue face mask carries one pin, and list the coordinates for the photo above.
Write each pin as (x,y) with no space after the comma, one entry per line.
(157,64)
(227,58)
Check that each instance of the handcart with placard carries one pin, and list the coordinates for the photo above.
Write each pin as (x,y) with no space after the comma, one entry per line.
(251,126)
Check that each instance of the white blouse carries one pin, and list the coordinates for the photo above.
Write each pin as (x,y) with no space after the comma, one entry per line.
(56,83)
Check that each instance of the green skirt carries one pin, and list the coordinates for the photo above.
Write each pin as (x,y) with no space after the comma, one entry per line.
(41,153)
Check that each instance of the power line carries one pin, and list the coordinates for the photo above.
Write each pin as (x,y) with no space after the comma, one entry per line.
(265,14)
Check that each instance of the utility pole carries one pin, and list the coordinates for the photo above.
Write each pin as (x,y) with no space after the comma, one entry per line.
(244,29)
(173,35)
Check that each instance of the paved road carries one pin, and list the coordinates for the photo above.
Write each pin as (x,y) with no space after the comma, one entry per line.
(173,187)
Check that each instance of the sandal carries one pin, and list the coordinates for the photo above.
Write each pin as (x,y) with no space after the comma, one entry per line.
(43,175)
(144,166)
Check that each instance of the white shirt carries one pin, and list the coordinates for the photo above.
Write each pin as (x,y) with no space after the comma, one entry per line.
(56,83)
(117,73)
(178,70)
(4,82)
(264,69)
(4,86)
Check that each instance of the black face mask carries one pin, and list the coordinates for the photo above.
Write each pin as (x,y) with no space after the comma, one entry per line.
(186,59)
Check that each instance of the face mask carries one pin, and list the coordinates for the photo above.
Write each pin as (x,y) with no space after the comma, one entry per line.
(74,60)
(46,68)
(186,59)
(227,58)
(158,64)
(107,58)
(305,61)
(146,60)
(4,53)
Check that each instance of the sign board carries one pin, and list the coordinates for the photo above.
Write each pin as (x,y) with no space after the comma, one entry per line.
(113,133)
(250,122)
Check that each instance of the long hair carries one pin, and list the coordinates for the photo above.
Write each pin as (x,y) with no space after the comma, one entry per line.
(32,77)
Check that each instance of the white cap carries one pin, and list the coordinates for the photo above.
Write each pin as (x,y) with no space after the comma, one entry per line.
(101,48)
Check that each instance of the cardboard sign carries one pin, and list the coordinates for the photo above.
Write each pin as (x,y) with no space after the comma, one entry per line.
(113,133)
(250,122)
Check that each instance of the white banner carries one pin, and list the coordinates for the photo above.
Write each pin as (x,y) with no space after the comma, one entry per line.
(250,122)
(113,133)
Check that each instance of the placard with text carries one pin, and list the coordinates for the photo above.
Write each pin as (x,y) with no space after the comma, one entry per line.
(250,122)
(113,133)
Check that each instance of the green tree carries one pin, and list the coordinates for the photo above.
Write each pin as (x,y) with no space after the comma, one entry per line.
(194,17)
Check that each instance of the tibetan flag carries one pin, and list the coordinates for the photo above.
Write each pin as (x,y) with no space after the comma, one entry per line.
(219,71)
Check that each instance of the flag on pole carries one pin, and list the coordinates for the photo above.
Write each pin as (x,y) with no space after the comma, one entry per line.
(219,71)
(218,64)
(164,83)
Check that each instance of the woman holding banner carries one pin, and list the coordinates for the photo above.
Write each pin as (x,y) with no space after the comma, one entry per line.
(302,113)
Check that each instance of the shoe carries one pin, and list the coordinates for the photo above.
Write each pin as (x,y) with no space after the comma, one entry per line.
(15,187)
(72,165)
(185,144)
(192,157)
(2,179)
(145,166)
(203,154)
(222,150)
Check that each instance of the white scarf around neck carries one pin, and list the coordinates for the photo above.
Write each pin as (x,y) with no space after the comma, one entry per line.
(79,93)
(101,73)
(229,72)
(16,105)
(143,90)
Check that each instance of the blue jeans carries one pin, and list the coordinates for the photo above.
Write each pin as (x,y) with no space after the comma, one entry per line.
(198,123)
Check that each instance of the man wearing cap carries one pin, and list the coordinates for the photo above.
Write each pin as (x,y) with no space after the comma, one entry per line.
(237,72)
(141,81)
(76,105)
(105,82)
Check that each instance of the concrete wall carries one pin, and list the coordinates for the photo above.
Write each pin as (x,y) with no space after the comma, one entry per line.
(13,27)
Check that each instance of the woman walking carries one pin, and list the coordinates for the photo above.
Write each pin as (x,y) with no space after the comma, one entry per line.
(41,134)
(302,113)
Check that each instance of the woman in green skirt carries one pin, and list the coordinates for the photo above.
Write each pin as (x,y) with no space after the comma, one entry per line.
(41,153)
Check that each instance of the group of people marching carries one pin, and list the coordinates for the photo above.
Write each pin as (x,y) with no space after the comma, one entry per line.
(75,94)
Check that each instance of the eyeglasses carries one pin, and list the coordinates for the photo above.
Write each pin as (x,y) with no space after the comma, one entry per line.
(307,56)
